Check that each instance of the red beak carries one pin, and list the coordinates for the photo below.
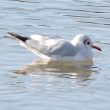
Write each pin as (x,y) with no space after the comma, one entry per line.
(95,47)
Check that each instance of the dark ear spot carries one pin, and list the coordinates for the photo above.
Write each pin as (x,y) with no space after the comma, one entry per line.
(85,41)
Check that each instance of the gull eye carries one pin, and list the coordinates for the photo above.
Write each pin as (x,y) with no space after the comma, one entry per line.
(88,43)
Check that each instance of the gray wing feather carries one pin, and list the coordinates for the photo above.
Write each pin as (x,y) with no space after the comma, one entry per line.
(36,45)
(62,48)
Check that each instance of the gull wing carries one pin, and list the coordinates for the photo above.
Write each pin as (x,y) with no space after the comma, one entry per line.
(44,46)
(62,48)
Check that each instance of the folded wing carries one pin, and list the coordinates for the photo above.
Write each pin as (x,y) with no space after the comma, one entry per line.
(45,47)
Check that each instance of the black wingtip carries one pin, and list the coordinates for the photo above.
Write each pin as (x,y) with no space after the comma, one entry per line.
(22,38)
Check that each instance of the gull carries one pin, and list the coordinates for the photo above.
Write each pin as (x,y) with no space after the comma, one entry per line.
(78,49)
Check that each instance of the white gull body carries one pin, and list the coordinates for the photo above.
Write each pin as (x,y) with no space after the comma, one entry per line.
(78,49)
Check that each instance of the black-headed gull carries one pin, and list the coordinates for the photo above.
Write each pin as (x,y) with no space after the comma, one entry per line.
(78,49)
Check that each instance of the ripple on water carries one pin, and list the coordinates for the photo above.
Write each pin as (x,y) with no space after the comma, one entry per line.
(59,69)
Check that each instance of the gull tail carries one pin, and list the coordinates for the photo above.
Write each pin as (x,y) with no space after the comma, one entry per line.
(30,44)
(19,37)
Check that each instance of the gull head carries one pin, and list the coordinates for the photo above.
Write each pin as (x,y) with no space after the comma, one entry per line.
(84,41)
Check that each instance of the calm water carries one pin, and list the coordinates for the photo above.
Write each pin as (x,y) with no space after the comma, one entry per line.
(27,83)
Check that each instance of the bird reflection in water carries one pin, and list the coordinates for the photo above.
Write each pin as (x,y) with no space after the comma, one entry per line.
(79,72)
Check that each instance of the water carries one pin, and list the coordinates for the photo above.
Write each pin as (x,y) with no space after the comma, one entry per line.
(26,83)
